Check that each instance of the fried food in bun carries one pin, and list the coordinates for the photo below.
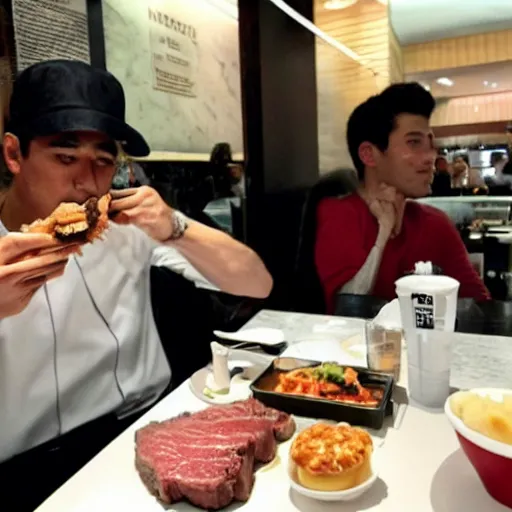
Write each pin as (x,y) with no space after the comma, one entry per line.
(332,457)
(73,222)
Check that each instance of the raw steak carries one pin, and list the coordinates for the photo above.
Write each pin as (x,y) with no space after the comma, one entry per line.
(208,457)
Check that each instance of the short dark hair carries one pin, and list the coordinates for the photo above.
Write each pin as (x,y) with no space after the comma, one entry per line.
(24,138)
(6,175)
(221,154)
(375,119)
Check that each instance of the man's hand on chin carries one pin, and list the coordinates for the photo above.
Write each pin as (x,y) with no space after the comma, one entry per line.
(388,206)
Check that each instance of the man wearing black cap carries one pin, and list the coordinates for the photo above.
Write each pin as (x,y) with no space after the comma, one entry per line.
(84,346)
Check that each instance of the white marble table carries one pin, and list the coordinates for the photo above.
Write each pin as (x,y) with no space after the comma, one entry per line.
(422,466)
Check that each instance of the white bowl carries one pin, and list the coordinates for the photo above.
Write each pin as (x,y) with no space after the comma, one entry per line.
(347,495)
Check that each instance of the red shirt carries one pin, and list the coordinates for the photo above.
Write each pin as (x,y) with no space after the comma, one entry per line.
(347,231)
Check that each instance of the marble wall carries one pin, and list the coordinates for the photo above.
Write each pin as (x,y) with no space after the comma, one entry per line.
(208,109)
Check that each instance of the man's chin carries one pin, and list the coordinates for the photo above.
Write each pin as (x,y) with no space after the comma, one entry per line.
(417,193)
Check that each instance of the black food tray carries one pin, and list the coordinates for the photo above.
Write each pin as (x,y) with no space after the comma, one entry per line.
(372,417)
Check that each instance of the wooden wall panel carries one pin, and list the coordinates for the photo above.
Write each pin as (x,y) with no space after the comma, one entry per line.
(483,108)
(472,140)
(475,129)
(458,52)
(396,60)
(342,83)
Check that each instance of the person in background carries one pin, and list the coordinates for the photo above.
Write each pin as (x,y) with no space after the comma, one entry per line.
(441,183)
(369,239)
(80,352)
(128,174)
(463,176)
(499,161)
(507,169)
(237,174)
(220,160)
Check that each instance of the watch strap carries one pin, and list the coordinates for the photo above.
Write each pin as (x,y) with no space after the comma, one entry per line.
(179,225)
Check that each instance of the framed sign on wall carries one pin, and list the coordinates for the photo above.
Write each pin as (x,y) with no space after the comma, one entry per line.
(178,61)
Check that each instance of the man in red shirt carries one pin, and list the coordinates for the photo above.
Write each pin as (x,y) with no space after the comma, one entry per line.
(369,239)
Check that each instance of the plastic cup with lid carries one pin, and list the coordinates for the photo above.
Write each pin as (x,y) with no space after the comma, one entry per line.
(428,306)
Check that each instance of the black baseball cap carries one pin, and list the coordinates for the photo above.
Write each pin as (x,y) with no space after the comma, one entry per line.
(58,96)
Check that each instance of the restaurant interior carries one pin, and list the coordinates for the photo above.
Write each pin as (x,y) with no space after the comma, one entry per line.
(248,141)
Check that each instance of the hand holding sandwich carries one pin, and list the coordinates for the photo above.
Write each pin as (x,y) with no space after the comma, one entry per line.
(144,208)
(27,262)
(226,263)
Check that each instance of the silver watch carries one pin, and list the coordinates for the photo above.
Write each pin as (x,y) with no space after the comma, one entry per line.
(179,225)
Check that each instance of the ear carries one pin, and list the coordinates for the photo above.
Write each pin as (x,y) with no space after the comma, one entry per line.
(366,153)
(12,153)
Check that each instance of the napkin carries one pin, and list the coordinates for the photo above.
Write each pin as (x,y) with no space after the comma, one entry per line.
(389,316)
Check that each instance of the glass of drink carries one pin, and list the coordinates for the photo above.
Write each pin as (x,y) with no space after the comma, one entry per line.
(383,349)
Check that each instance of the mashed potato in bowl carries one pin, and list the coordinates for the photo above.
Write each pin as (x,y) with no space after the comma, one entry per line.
(486,414)
(482,419)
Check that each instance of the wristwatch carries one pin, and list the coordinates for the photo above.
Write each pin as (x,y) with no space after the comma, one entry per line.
(179,225)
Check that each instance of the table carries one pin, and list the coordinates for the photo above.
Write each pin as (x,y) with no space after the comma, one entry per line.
(422,466)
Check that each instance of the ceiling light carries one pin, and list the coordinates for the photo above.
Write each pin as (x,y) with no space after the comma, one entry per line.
(426,86)
(339,4)
(494,85)
(486,83)
(383,2)
(444,81)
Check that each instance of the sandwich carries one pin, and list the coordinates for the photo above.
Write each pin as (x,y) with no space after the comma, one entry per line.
(332,457)
(75,223)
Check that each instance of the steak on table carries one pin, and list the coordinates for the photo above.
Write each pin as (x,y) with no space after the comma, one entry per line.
(208,457)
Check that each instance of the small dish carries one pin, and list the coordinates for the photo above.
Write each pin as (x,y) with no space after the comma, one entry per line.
(347,495)
(240,383)
(259,335)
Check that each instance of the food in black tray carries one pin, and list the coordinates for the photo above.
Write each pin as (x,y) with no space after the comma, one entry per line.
(330,381)
(326,390)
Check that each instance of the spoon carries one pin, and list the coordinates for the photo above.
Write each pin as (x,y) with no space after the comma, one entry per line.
(274,350)
(260,335)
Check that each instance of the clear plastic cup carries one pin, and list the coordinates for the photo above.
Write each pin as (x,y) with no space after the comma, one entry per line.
(430,389)
(383,349)
(428,307)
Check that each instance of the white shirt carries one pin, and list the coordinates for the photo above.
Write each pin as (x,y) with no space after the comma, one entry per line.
(87,344)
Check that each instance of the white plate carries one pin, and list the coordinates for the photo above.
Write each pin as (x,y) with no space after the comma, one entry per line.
(240,384)
(349,494)
(261,335)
